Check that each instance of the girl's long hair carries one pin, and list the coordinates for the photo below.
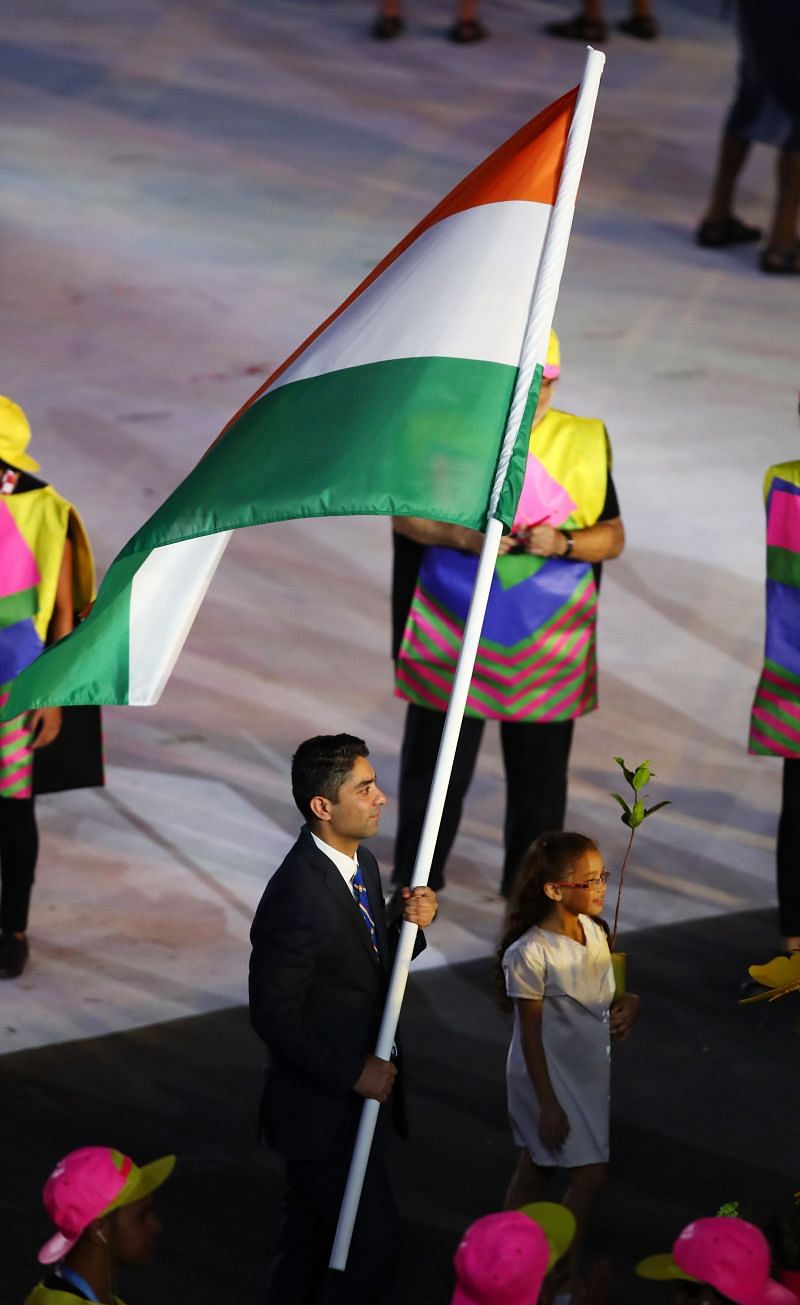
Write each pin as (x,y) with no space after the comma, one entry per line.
(548,860)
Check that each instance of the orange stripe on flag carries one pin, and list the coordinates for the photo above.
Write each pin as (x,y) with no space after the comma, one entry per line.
(526,167)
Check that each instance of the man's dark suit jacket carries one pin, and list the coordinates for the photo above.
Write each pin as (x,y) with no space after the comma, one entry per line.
(317,992)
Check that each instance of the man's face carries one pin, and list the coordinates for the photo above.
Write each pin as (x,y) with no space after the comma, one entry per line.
(357,811)
(132,1232)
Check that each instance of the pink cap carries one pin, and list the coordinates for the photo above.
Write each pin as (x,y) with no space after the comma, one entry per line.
(91,1182)
(502,1260)
(734,1257)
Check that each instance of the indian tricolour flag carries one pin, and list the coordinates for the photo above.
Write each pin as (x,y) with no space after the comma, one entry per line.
(397,404)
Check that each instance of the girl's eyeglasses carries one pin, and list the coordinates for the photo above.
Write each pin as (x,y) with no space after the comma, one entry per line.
(602,878)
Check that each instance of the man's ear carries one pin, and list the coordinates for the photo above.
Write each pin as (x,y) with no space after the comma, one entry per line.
(97,1232)
(320,808)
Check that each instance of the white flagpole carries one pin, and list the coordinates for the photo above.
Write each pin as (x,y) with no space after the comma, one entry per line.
(534,350)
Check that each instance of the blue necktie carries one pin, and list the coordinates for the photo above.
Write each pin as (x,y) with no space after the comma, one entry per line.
(360,894)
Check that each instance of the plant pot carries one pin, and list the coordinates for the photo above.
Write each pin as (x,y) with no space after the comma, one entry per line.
(790,1278)
(619,964)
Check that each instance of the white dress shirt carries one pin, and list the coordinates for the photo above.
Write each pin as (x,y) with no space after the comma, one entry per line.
(346,865)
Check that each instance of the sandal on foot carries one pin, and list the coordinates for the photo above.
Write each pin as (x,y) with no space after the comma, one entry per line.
(784,260)
(578,29)
(730,231)
(465,31)
(641,26)
(386,29)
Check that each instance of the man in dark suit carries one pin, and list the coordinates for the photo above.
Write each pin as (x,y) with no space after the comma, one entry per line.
(319,970)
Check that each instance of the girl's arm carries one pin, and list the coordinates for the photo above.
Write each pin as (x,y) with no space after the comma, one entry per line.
(553,1123)
(623,1013)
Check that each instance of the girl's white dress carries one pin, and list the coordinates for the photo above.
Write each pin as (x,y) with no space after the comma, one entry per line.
(577,984)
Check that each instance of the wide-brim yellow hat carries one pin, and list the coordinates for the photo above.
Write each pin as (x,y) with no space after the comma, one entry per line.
(15,434)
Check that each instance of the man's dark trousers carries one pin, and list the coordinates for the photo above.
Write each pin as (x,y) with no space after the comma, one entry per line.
(535,756)
(311,1200)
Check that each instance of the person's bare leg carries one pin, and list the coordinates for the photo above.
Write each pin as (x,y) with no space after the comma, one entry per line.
(527,1183)
(640,22)
(732,154)
(783,232)
(389,22)
(585,1185)
(467,28)
(588,25)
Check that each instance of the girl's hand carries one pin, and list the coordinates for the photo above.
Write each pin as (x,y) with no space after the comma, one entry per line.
(553,1126)
(623,1013)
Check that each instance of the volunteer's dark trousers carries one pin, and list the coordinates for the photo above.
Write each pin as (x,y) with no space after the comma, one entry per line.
(788,850)
(312,1197)
(535,756)
(19,847)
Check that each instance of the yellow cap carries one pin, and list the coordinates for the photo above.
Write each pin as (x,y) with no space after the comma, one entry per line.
(15,434)
(661,1268)
(556,1222)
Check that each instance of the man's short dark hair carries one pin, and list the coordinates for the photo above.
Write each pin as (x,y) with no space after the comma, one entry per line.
(321,765)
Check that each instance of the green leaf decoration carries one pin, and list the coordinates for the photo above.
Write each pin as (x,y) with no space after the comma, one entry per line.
(627,773)
(632,817)
(649,810)
(637,815)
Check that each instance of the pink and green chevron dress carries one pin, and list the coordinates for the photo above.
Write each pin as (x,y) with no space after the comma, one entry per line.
(537,657)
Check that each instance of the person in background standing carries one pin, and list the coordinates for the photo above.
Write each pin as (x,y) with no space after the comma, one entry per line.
(590,24)
(767,110)
(775,717)
(465,30)
(536,670)
(46,575)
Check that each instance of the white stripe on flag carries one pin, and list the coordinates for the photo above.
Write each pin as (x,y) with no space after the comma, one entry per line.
(166,592)
(462,290)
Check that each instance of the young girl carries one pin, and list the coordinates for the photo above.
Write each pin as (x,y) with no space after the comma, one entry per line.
(555,972)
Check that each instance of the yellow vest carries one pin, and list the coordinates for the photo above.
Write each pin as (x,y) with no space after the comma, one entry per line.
(45,520)
(42,1295)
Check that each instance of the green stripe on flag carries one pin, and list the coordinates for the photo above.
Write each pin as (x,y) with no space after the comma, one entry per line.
(409,437)
(93,660)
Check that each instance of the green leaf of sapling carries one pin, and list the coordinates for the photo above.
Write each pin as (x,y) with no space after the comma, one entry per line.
(642,775)
(627,773)
(637,814)
(622,803)
(657,808)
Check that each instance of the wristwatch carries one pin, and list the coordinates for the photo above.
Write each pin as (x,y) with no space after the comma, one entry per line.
(570,543)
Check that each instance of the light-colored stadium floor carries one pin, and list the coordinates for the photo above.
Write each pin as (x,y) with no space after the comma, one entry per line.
(187,190)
